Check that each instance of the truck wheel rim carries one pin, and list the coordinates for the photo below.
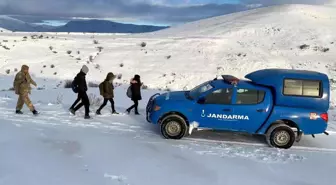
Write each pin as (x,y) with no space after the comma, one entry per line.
(281,138)
(173,128)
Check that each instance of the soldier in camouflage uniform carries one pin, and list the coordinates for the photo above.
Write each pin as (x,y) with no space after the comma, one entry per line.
(22,88)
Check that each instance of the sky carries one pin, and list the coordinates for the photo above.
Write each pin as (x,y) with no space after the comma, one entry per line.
(155,12)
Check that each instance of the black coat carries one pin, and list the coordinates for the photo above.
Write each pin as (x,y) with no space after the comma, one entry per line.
(80,81)
(136,91)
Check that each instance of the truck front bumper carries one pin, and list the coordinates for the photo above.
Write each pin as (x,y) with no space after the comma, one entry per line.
(149,107)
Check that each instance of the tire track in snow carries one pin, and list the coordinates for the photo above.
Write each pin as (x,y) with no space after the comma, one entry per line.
(252,152)
(57,116)
(122,180)
(247,143)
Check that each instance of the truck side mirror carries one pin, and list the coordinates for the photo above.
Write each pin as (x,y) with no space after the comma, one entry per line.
(201,100)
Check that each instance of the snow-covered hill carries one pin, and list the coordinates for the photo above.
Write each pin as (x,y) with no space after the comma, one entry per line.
(125,149)
(3,30)
(331,2)
(267,21)
(91,26)
(13,24)
(104,26)
(289,36)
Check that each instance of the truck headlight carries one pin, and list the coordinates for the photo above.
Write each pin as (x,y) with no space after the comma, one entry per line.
(156,108)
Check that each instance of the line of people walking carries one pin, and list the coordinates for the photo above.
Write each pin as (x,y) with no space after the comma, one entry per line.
(22,88)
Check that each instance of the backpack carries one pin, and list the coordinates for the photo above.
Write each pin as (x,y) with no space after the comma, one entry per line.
(101,88)
(74,87)
(129,92)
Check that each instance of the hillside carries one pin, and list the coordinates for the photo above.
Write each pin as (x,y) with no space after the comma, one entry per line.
(13,24)
(276,20)
(125,149)
(291,36)
(102,26)
(91,26)
(3,30)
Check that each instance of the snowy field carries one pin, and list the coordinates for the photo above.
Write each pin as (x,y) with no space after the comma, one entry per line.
(182,57)
(59,148)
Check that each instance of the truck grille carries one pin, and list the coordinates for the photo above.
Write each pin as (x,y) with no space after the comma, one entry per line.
(150,105)
(151,102)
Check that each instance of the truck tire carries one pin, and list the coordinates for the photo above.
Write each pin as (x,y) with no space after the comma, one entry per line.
(173,127)
(280,136)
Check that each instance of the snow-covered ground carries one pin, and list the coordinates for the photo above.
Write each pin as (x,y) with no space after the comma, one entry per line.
(58,148)
(289,36)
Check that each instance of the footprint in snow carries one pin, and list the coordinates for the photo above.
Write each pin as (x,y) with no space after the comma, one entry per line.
(17,125)
(206,153)
(116,123)
(120,179)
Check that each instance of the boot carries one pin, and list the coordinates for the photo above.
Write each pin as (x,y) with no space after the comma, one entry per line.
(18,112)
(35,112)
(136,111)
(115,112)
(98,112)
(72,111)
(128,111)
(87,117)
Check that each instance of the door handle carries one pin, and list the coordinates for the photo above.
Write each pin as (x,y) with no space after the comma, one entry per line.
(227,110)
(261,110)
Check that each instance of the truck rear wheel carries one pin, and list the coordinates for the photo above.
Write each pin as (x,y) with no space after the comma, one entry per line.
(280,136)
(173,127)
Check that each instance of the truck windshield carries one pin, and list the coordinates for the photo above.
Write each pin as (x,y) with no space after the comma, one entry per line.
(198,90)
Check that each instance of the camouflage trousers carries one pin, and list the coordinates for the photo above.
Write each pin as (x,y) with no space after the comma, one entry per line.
(24,99)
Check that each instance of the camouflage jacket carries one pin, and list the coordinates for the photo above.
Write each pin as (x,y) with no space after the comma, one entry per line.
(22,83)
(107,90)
(106,87)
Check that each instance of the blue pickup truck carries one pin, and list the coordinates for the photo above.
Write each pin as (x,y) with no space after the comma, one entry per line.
(281,104)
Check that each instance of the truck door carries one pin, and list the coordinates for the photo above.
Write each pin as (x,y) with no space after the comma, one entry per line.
(251,107)
(213,110)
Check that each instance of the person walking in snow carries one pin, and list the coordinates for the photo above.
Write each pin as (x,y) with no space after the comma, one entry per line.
(74,88)
(106,89)
(75,103)
(136,93)
(22,88)
(81,88)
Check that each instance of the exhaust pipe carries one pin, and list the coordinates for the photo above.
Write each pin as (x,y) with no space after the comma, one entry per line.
(326,133)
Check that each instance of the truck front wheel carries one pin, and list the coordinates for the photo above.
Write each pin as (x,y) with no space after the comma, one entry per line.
(173,127)
(280,136)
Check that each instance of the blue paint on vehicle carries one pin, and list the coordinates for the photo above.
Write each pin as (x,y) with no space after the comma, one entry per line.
(274,78)
(299,98)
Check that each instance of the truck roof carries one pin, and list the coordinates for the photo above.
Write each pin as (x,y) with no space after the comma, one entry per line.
(269,77)
(241,83)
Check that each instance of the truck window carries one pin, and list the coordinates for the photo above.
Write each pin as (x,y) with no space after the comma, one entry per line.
(198,90)
(219,96)
(296,87)
(249,96)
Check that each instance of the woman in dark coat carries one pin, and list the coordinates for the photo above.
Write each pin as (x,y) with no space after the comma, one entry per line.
(136,93)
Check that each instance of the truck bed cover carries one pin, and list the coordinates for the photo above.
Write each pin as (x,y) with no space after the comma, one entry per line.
(274,78)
